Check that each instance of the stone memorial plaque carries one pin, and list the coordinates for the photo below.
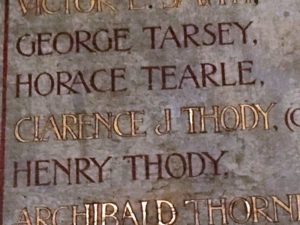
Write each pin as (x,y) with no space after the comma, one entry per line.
(150,112)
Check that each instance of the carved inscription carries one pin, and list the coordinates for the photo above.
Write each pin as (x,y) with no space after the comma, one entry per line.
(151,112)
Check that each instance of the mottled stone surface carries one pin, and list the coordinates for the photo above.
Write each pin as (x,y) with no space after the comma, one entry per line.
(259,162)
